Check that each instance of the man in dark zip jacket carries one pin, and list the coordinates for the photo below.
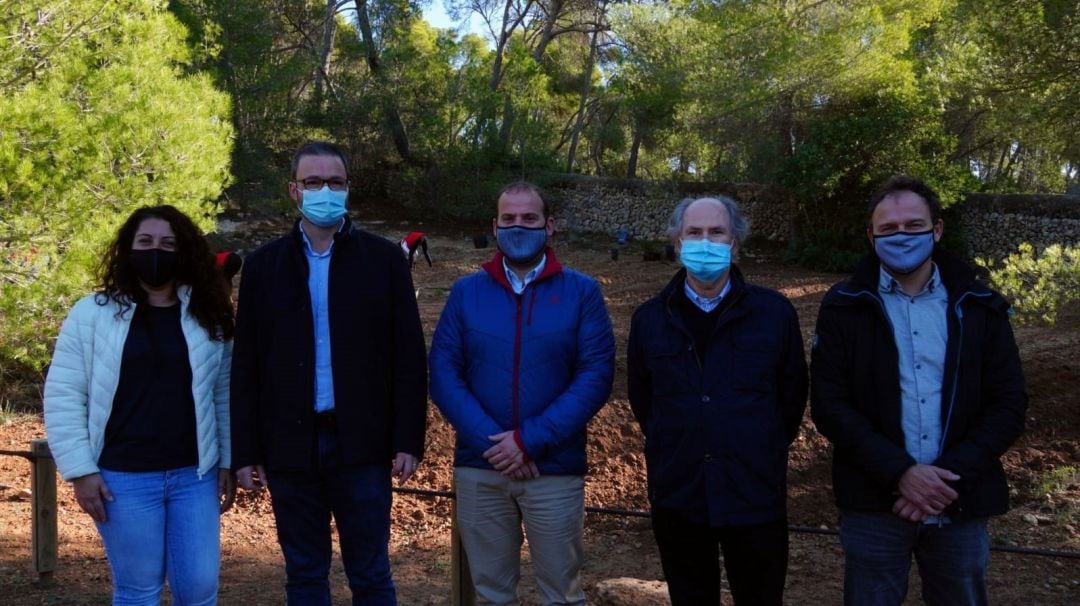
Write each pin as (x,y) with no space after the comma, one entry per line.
(717,381)
(328,385)
(523,356)
(916,380)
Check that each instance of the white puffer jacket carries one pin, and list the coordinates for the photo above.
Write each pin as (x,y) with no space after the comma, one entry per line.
(85,371)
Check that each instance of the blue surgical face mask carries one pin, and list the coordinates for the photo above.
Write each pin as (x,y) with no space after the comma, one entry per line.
(904,252)
(323,207)
(704,259)
(521,244)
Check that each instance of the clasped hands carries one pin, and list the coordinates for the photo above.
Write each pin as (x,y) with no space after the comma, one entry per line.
(508,459)
(924,492)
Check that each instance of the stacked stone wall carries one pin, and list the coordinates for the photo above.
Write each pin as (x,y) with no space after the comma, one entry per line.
(599,205)
(991,225)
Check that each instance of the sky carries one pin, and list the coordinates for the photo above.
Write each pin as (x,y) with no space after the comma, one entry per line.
(435,14)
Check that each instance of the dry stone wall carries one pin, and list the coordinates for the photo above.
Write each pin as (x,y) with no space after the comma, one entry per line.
(991,225)
(602,205)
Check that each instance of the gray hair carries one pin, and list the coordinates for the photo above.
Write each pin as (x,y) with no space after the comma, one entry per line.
(740,226)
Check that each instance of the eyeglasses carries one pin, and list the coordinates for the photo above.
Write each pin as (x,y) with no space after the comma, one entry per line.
(316,183)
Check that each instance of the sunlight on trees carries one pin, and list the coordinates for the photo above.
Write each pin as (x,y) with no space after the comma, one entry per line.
(99,117)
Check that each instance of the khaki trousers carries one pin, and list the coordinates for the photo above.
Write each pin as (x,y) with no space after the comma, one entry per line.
(491,509)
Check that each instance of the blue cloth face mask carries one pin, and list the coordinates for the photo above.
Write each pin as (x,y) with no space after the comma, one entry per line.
(521,244)
(323,207)
(704,259)
(904,252)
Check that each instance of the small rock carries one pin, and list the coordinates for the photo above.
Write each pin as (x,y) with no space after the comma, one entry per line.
(623,591)
(1030,518)
(25,495)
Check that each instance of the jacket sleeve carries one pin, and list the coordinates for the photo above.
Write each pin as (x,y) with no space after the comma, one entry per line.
(449,381)
(221,407)
(67,398)
(1000,418)
(244,374)
(409,364)
(833,407)
(793,380)
(588,391)
(638,378)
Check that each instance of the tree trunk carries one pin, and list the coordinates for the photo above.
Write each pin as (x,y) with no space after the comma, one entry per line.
(329,25)
(586,87)
(631,165)
(393,118)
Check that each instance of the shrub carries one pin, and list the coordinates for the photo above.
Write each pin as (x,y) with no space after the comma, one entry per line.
(1039,285)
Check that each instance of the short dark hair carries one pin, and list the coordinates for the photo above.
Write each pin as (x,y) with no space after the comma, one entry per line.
(518,187)
(899,183)
(319,148)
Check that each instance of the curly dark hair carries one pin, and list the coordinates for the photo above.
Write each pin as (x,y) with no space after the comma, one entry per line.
(210,303)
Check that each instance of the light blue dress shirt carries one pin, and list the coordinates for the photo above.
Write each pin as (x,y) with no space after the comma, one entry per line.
(706,304)
(517,283)
(921,333)
(318,286)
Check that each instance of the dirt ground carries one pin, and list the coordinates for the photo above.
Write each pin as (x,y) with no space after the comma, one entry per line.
(1044,468)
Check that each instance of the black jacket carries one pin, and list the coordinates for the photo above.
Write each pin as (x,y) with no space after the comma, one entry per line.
(377,354)
(717,433)
(855,397)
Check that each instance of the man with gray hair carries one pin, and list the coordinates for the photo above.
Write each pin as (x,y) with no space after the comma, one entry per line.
(717,382)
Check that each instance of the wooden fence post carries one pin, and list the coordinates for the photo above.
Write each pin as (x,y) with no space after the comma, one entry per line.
(462,592)
(43,526)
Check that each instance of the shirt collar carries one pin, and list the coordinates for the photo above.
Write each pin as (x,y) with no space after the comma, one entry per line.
(307,241)
(888,284)
(518,284)
(705,304)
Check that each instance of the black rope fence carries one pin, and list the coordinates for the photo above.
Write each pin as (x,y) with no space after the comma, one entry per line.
(633,513)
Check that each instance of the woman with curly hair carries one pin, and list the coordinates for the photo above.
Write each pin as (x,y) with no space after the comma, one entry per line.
(137,408)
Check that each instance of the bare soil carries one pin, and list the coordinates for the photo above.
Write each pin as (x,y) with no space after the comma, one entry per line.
(1044,467)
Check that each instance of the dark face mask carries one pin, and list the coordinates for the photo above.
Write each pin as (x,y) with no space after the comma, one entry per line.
(155,267)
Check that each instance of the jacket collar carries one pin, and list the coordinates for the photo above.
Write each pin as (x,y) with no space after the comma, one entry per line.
(674,287)
(494,268)
(958,277)
(341,236)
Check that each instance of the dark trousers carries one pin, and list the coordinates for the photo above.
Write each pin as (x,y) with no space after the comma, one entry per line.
(755,559)
(358,497)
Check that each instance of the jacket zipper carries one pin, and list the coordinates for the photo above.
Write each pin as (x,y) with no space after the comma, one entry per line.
(517,362)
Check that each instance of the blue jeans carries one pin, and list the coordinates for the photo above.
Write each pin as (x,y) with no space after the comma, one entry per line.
(952,559)
(359,499)
(162,523)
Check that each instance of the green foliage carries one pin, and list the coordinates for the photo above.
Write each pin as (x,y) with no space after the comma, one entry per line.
(100,117)
(825,251)
(1039,285)
(848,150)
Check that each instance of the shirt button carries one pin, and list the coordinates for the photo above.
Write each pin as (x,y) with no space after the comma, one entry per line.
(924,436)
(708,457)
(918,366)
(915,332)
(704,398)
(922,400)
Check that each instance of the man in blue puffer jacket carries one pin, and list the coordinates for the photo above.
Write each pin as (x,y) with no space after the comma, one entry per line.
(523,356)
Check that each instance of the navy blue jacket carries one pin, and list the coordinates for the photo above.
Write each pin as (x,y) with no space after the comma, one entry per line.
(717,433)
(856,392)
(377,354)
(540,363)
